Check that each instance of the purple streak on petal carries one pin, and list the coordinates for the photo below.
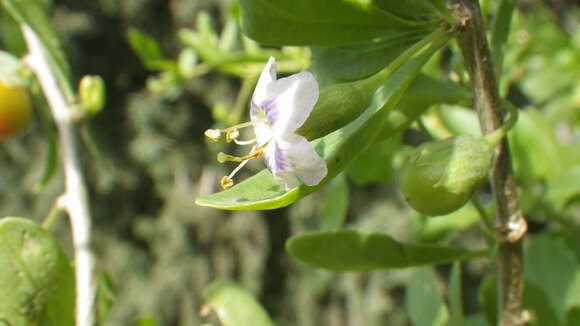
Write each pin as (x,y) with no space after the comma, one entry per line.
(253,110)
(270,109)
(279,161)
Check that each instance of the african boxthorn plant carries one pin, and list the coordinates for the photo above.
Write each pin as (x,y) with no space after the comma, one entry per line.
(333,95)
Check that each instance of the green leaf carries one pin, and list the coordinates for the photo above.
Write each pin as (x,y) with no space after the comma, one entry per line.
(322,22)
(455,297)
(409,8)
(363,251)
(563,190)
(338,148)
(333,65)
(536,302)
(50,157)
(146,321)
(424,301)
(335,204)
(531,141)
(499,33)
(148,51)
(432,229)
(106,295)
(475,320)
(234,306)
(374,165)
(12,39)
(573,317)
(488,299)
(550,264)
(33,13)
(424,92)
(459,120)
(36,279)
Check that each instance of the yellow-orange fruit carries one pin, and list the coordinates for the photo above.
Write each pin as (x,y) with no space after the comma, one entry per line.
(15,110)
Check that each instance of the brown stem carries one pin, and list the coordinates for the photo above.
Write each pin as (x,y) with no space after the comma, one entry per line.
(509,221)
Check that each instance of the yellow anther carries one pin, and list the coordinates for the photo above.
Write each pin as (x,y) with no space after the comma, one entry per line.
(213,134)
(226,182)
(223,157)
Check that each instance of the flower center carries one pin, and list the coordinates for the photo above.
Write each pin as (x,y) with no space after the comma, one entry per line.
(261,125)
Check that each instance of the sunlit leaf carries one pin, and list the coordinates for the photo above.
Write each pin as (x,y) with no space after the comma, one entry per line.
(323,22)
(36,279)
(148,51)
(234,305)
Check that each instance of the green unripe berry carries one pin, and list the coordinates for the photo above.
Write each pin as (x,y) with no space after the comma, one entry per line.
(440,176)
(91,94)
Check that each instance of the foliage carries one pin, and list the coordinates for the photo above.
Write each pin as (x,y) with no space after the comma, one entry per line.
(389,78)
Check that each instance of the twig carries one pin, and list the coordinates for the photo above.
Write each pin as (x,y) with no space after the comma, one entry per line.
(509,221)
(74,199)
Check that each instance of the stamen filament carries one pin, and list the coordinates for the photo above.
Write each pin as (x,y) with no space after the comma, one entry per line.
(240,126)
(231,133)
(245,142)
(227,181)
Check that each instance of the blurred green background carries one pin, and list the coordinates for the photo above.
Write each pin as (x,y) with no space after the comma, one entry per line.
(160,250)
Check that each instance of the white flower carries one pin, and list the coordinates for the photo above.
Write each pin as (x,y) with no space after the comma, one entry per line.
(278,108)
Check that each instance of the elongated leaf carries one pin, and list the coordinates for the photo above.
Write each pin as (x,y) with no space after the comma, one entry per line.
(338,149)
(12,39)
(33,13)
(106,295)
(50,159)
(409,8)
(148,51)
(500,32)
(364,251)
(234,306)
(322,22)
(334,208)
(347,63)
(424,301)
(455,301)
(36,279)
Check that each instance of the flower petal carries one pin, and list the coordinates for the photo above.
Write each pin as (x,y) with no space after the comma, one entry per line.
(291,158)
(290,101)
(267,76)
